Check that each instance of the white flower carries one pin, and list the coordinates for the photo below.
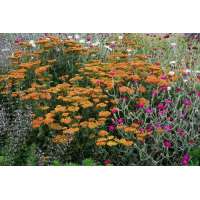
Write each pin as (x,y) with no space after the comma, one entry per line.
(32,43)
(97,43)
(129,50)
(113,42)
(185,80)
(168,88)
(120,37)
(107,47)
(82,41)
(171,73)
(188,71)
(173,44)
(172,62)
(69,36)
(77,37)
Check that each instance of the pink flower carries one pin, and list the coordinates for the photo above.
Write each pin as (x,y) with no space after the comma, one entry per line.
(185,160)
(168,101)
(164,77)
(161,106)
(178,90)
(168,128)
(149,110)
(198,94)
(120,120)
(111,128)
(167,144)
(181,132)
(114,110)
(154,93)
(107,162)
(18,40)
(187,102)
(89,37)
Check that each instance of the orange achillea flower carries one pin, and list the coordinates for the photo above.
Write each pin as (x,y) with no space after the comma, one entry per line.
(66,120)
(102,133)
(124,89)
(125,142)
(73,108)
(61,139)
(101,105)
(36,123)
(86,104)
(142,89)
(60,108)
(41,69)
(55,126)
(71,130)
(129,129)
(143,102)
(104,114)
(46,96)
(111,143)
(30,64)
(152,79)
(92,125)
(135,78)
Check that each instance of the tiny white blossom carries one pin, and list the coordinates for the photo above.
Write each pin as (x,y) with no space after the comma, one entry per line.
(69,36)
(168,88)
(172,62)
(77,37)
(32,42)
(82,41)
(173,44)
(97,43)
(171,73)
(107,47)
(113,42)
(129,50)
(120,37)
(185,80)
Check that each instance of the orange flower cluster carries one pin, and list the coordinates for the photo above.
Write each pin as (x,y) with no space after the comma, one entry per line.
(70,102)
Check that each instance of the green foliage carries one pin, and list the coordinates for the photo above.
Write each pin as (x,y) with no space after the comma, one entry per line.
(32,157)
(195,156)
(88,162)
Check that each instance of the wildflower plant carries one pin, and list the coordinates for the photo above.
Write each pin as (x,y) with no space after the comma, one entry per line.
(111,101)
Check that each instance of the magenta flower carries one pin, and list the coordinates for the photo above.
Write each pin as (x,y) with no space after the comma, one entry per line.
(114,110)
(168,101)
(187,102)
(120,120)
(149,128)
(154,93)
(178,90)
(149,110)
(168,128)
(161,106)
(185,160)
(18,40)
(162,112)
(89,37)
(181,132)
(198,94)
(111,128)
(167,144)
(163,77)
